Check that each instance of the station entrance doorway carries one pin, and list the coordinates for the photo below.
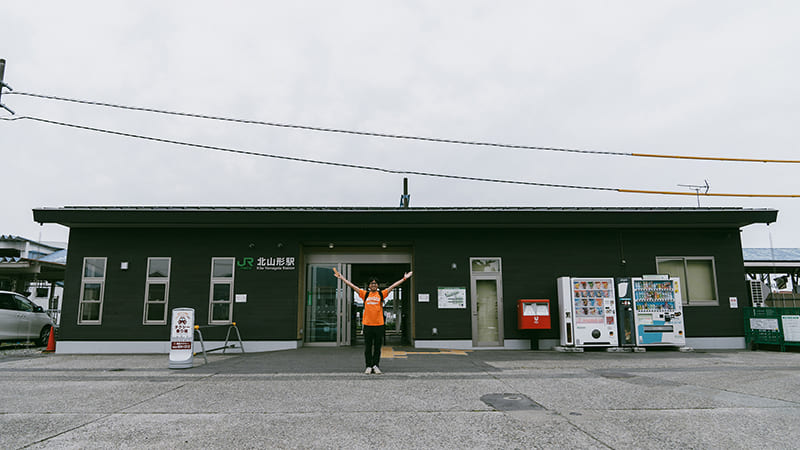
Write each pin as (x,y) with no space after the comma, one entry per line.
(333,311)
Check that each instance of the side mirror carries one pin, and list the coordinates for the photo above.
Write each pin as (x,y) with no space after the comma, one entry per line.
(38,309)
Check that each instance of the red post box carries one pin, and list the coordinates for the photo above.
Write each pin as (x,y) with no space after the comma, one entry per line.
(533,314)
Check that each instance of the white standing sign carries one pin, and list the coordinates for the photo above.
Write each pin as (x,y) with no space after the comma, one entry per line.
(181,345)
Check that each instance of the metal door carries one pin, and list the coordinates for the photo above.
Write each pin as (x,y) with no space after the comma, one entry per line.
(487,302)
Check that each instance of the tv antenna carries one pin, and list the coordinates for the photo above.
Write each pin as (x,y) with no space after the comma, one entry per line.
(3,85)
(697,189)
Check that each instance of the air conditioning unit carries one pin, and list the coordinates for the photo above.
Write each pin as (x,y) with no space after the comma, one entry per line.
(758,293)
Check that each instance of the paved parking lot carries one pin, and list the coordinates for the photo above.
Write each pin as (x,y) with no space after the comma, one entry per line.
(318,398)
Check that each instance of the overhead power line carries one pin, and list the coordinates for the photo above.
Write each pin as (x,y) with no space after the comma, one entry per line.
(373,168)
(401,136)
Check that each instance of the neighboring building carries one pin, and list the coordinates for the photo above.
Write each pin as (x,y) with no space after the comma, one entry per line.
(270,270)
(35,269)
(774,275)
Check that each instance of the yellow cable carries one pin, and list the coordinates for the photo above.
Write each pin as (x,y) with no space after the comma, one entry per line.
(714,158)
(639,191)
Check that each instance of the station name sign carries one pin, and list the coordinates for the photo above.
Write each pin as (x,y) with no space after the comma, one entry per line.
(268,263)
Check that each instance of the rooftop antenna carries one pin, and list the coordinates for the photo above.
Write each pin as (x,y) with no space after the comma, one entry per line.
(697,189)
(405,199)
(3,85)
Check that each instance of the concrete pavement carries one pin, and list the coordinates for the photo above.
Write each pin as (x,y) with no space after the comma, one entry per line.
(318,398)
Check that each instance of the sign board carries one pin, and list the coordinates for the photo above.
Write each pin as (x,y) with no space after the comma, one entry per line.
(452,297)
(266,263)
(423,298)
(764,324)
(791,328)
(734,302)
(181,342)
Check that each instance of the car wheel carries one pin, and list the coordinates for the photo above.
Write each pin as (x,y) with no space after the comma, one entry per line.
(44,336)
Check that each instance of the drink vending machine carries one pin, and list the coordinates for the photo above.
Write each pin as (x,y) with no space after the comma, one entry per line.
(658,311)
(587,311)
(625,319)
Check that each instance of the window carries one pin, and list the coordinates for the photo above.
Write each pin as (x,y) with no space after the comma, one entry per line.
(7,302)
(156,292)
(698,278)
(90,309)
(23,304)
(221,304)
(485,264)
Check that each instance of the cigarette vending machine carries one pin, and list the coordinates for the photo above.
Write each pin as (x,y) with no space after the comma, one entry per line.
(658,311)
(587,312)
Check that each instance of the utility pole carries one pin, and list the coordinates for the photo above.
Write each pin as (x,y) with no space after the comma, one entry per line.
(3,85)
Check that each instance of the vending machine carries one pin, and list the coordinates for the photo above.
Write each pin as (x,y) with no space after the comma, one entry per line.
(625,320)
(587,312)
(658,311)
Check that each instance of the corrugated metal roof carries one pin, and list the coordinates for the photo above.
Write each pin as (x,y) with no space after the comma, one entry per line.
(774,254)
(59,257)
(10,259)
(13,238)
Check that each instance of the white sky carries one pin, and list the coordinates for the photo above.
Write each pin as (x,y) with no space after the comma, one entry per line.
(717,78)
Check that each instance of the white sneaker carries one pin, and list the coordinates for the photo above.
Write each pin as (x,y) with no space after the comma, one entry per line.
(368,371)
(376,370)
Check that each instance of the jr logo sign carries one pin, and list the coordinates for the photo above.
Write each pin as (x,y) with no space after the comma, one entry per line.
(245,263)
(266,263)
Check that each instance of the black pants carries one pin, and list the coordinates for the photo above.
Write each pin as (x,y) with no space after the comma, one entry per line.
(373,341)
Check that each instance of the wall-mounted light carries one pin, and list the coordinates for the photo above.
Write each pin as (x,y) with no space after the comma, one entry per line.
(330,245)
(123,265)
(383,245)
(453,266)
(280,244)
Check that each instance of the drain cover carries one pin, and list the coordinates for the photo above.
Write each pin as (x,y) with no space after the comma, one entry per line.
(510,402)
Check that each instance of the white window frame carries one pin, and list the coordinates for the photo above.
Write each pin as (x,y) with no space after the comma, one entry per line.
(92,280)
(686,295)
(221,280)
(156,280)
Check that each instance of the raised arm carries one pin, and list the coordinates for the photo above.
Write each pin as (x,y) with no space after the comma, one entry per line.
(346,281)
(400,281)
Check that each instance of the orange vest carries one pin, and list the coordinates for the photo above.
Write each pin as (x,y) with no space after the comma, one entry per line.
(373,309)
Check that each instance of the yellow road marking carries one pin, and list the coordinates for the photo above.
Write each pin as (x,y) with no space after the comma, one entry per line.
(389,352)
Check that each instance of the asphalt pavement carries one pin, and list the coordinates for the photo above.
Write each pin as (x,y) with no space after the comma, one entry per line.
(320,398)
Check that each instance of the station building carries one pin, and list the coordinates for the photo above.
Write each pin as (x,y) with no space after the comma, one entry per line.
(269,269)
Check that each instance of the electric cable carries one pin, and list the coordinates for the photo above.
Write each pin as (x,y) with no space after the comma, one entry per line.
(401,136)
(379,169)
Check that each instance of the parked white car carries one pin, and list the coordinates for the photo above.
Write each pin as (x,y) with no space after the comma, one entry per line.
(22,320)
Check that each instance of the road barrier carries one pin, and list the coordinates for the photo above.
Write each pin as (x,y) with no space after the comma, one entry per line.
(225,346)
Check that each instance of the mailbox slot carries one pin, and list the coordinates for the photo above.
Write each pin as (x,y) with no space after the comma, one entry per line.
(533,314)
